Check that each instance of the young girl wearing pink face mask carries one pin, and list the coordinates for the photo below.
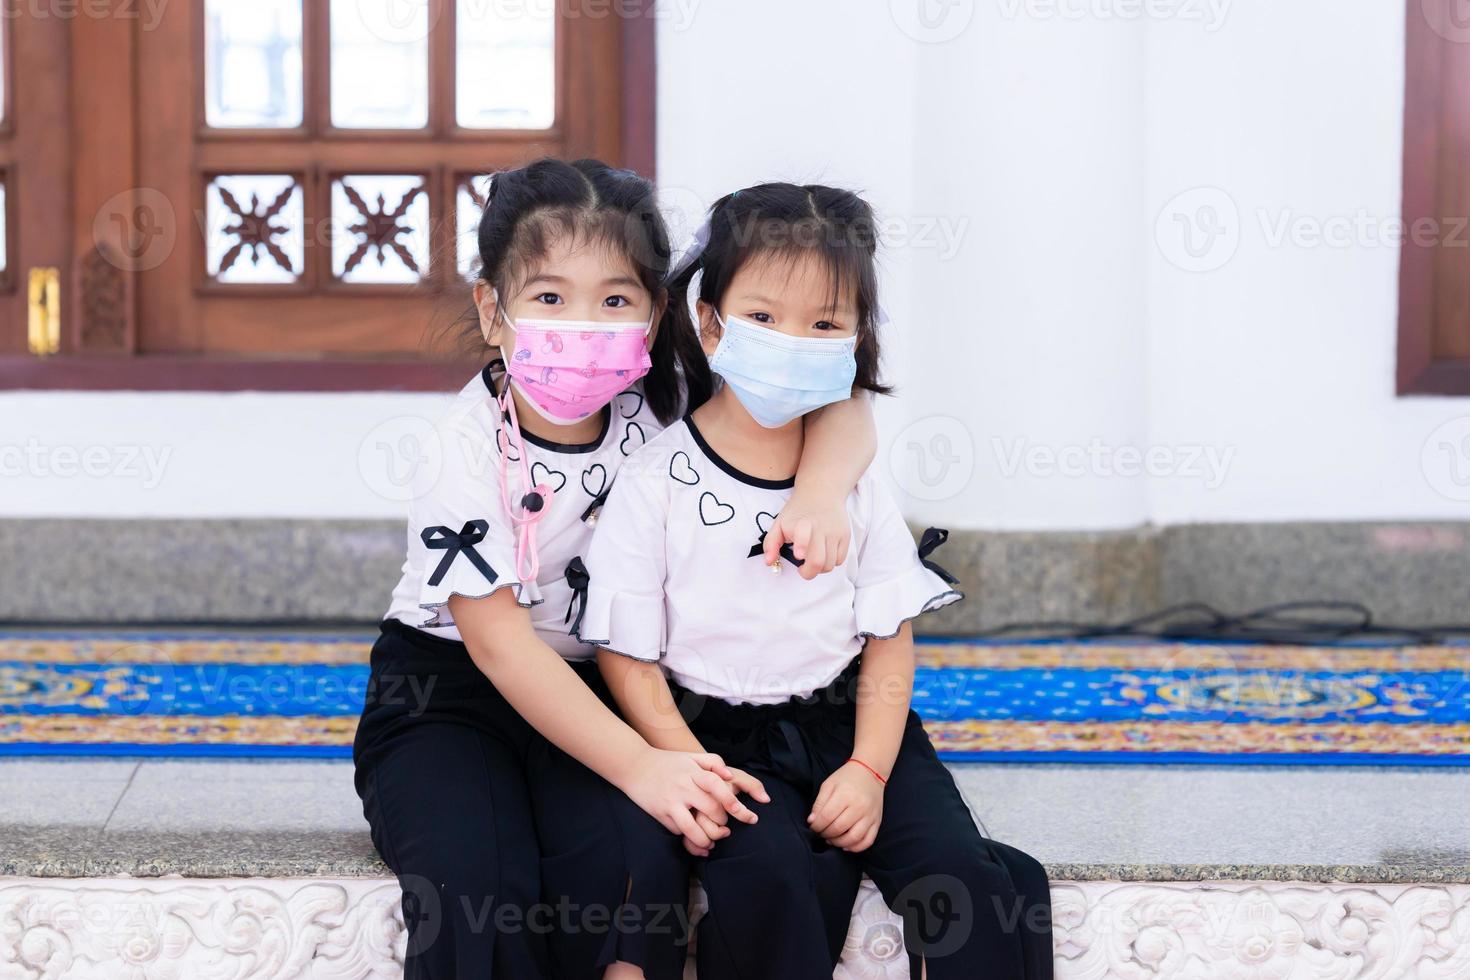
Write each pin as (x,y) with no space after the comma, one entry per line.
(534,833)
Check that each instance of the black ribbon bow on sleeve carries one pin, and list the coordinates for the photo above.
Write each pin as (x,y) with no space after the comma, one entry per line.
(759,548)
(933,538)
(443,539)
(578,579)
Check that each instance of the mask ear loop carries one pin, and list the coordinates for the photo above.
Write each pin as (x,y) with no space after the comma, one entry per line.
(691,301)
(534,504)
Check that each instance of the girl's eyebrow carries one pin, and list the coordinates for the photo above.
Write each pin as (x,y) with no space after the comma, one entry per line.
(547,277)
(758,298)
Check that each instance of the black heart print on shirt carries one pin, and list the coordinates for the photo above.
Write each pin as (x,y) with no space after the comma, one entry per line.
(630,443)
(541,473)
(630,398)
(714,513)
(680,469)
(502,442)
(594,480)
(763,522)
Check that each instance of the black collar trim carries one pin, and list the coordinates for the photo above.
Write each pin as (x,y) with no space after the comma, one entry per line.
(730,470)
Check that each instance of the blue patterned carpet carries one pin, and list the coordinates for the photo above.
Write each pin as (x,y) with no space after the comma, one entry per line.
(297,695)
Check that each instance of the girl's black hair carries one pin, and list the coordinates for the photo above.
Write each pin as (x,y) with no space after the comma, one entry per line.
(786,221)
(530,208)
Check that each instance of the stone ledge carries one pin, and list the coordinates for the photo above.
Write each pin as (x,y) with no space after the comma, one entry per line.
(73,852)
(335,929)
(315,571)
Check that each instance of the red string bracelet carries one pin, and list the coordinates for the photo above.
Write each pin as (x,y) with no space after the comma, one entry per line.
(876,775)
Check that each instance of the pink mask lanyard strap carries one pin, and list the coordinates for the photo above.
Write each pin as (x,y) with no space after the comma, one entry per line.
(532,506)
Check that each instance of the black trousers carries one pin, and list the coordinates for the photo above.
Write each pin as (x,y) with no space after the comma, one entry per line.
(516,861)
(781,898)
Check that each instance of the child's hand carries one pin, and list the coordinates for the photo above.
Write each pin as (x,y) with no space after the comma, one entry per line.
(714,832)
(818,532)
(715,829)
(849,808)
(669,785)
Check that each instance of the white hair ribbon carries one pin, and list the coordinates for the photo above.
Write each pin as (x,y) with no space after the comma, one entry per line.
(691,252)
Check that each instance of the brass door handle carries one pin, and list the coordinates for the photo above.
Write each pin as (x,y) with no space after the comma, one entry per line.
(44,308)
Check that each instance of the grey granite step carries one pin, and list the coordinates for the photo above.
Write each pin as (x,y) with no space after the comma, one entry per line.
(310,570)
(146,817)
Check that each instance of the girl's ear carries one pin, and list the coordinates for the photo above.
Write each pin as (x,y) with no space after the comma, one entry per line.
(710,330)
(488,303)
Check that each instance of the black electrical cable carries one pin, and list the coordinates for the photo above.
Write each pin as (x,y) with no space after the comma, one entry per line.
(1309,623)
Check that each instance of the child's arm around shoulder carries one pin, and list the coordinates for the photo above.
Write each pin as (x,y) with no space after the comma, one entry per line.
(841,441)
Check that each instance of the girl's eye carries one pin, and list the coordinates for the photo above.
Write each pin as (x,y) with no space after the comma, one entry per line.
(825,325)
(617,302)
(762,318)
(550,299)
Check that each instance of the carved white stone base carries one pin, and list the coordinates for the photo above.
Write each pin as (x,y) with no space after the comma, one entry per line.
(351,929)
(1261,931)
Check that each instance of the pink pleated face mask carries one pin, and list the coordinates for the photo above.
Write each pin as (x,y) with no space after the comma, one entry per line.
(568,369)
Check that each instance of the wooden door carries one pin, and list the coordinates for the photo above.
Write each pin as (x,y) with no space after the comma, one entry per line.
(282,193)
(35,194)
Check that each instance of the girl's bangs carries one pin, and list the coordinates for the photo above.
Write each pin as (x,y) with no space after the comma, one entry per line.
(848,264)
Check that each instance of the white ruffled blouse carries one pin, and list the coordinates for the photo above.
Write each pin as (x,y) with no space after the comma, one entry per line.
(676,577)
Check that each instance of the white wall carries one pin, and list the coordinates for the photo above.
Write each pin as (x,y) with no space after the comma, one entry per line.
(1038,162)
(1285,355)
(202,455)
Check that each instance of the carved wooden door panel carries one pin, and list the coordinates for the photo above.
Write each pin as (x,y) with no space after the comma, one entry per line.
(326,152)
(35,194)
(281,193)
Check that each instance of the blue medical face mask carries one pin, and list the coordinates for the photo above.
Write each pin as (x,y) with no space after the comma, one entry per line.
(779,378)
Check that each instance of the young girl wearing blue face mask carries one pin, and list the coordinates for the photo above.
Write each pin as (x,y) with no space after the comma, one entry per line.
(803,684)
